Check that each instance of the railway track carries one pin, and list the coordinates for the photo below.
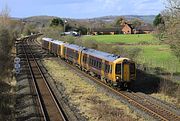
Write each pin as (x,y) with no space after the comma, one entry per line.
(49,107)
(139,101)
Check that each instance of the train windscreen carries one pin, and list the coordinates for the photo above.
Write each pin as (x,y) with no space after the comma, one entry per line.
(118,68)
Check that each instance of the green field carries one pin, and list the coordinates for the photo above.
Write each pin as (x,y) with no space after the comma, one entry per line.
(153,54)
(124,39)
(158,56)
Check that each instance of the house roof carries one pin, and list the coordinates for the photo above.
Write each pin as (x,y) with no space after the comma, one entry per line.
(130,25)
(114,29)
(146,27)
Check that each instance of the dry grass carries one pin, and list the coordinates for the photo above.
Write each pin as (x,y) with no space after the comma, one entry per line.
(166,98)
(92,103)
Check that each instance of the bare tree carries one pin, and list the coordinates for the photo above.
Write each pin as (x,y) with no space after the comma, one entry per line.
(4,16)
(172,25)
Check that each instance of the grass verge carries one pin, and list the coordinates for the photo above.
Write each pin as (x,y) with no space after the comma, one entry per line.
(90,101)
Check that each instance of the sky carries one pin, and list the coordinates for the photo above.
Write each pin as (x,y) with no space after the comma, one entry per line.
(81,8)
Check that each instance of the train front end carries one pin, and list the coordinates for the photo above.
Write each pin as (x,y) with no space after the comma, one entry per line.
(125,72)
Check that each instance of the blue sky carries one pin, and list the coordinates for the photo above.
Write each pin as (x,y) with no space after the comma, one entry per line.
(82,8)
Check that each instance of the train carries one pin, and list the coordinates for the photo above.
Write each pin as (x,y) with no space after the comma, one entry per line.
(112,69)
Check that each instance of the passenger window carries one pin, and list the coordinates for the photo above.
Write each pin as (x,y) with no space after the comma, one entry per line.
(107,67)
(100,64)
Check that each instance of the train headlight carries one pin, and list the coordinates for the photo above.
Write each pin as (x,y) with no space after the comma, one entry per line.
(117,77)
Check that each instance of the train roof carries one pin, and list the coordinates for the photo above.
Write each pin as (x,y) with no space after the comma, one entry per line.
(54,41)
(74,47)
(47,39)
(100,54)
(57,42)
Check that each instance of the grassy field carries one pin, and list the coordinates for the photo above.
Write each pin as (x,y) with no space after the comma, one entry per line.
(158,56)
(153,54)
(124,39)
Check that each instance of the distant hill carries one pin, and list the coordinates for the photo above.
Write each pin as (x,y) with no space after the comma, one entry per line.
(145,18)
(39,20)
(45,19)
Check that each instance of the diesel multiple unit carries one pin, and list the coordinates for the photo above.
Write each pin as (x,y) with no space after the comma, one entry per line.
(112,69)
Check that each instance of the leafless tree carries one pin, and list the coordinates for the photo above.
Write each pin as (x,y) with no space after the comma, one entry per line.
(172,25)
(4,16)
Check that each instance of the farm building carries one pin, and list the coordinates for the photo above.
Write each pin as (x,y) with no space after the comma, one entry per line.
(100,31)
(123,29)
(144,29)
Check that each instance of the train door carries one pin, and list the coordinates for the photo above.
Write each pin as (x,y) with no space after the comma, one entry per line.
(126,71)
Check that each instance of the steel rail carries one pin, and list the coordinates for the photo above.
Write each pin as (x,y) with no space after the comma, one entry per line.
(33,81)
(33,62)
(128,98)
(48,86)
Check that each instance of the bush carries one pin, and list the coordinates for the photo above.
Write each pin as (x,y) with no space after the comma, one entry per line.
(90,44)
(52,32)
(5,49)
(143,43)
(133,52)
(69,39)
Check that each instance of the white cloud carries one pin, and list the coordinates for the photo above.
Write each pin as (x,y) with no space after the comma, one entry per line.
(84,8)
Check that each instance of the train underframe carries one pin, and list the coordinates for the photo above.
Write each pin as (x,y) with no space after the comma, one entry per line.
(119,83)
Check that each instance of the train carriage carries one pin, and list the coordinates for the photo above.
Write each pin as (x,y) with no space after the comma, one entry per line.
(46,42)
(111,68)
(72,53)
(54,46)
(57,48)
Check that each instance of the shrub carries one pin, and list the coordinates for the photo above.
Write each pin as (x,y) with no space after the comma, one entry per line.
(133,52)
(69,39)
(5,49)
(90,44)
(143,43)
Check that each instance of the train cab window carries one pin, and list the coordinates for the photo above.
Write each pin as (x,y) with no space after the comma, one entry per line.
(132,68)
(118,68)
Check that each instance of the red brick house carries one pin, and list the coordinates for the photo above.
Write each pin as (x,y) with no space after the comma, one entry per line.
(127,29)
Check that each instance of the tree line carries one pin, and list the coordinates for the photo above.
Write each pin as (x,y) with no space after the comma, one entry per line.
(167,25)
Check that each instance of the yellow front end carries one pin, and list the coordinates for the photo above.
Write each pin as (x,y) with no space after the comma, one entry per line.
(123,71)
